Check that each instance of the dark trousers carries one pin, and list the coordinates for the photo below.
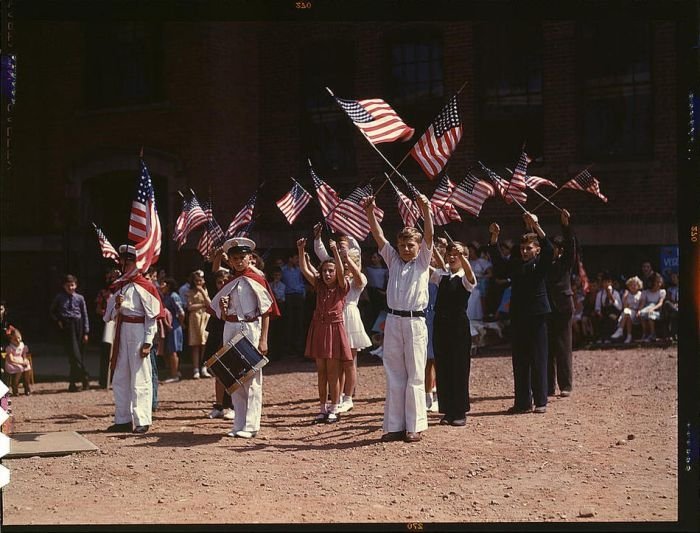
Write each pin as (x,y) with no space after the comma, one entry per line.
(72,334)
(294,324)
(452,347)
(530,360)
(559,368)
(105,350)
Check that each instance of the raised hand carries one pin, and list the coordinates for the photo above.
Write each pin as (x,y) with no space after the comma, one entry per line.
(368,202)
(318,228)
(301,243)
(494,229)
(565,216)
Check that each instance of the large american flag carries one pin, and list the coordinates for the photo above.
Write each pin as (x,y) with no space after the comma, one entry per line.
(213,235)
(144,225)
(327,197)
(505,188)
(584,181)
(294,202)
(441,204)
(471,193)
(192,216)
(377,120)
(409,211)
(349,216)
(108,251)
(434,148)
(243,217)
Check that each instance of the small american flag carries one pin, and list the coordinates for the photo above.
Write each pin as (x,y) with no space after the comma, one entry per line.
(243,217)
(409,211)
(294,202)
(192,216)
(108,251)
(349,216)
(471,193)
(327,197)
(508,192)
(583,181)
(434,148)
(443,210)
(213,235)
(377,120)
(518,180)
(144,225)
(536,181)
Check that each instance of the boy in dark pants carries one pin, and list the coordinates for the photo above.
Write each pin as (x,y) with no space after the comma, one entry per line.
(529,308)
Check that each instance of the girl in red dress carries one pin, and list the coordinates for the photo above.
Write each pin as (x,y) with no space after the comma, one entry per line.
(327,341)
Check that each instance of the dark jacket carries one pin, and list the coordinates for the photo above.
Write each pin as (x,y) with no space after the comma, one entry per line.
(559,276)
(528,290)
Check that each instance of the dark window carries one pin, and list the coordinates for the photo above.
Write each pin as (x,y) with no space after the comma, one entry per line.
(123,65)
(328,135)
(415,66)
(615,69)
(509,72)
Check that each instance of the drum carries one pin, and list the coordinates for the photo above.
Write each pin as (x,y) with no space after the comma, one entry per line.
(236,362)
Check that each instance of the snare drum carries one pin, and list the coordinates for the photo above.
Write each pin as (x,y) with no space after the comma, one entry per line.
(236,362)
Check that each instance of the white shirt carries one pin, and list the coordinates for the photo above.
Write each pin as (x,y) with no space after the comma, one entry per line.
(322,253)
(439,273)
(601,297)
(407,289)
(137,302)
(248,299)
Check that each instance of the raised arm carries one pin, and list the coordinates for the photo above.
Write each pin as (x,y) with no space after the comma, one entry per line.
(439,259)
(466,266)
(303,265)
(424,205)
(377,232)
(354,270)
(339,270)
(319,248)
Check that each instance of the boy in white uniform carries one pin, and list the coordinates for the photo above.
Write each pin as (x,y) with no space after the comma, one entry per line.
(405,333)
(135,305)
(246,303)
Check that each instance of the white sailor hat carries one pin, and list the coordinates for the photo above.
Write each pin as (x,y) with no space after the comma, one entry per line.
(239,245)
(224,270)
(199,273)
(127,250)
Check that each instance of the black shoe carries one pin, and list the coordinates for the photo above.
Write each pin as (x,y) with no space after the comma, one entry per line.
(86,384)
(459,421)
(72,388)
(119,428)
(446,420)
(515,410)
(141,429)
(393,436)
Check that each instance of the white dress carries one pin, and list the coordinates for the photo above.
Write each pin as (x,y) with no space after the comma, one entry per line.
(355,329)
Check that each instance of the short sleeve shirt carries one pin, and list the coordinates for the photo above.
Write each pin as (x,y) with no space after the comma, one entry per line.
(407,289)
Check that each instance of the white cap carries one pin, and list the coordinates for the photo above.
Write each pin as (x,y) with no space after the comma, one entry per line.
(127,249)
(239,245)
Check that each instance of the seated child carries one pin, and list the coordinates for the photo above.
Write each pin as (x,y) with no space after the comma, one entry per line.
(17,363)
(631,300)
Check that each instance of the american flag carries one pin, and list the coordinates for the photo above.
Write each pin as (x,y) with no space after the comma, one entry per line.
(536,181)
(191,217)
(243,217)
(409,211)
(327,197)
(443,210)
(108,251)
(144,225)
(294,202)
(517,182)
(349,216)
(504,187)
(377,120)
(213,235)
(471,193)
(434,148)
(583,181)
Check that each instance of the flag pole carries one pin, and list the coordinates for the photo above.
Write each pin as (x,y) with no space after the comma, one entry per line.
(562,187)
(507,191)
(539,194)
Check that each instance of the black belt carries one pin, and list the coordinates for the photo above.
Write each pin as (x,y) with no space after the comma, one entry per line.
(406,313)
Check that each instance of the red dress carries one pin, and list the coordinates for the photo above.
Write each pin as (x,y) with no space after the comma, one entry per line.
(327,338)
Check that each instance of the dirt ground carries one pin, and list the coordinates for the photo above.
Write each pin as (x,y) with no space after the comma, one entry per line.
(608,453)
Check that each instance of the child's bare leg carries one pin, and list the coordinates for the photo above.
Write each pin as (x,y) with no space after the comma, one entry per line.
(333,372)
(321,372)
(349,374)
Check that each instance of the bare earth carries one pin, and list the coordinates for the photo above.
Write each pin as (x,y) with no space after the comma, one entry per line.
(606,454)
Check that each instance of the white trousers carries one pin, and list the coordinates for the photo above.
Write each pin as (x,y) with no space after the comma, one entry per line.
(405,355)
(247,400)
(131,384)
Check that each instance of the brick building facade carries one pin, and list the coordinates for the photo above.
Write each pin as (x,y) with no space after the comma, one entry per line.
(222,107)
